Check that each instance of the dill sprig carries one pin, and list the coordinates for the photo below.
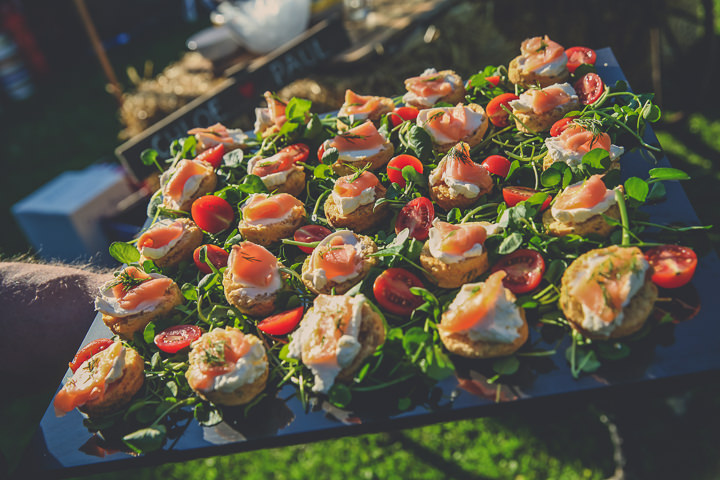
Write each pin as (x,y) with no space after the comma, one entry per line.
(127,281)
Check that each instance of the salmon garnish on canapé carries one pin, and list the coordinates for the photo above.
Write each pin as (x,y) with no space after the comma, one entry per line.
(452,123)
(214,134)
(353,185)
(336,258)
(184,170)
(133,287)
(477,307)
(580,139)
(363,137)
(332,323)
(252,264)
(458,165)
(214,354)
(584,195)
(539,51)
(279,162)
(547,99)
(434,84)
(359,104)
(267,207)
(458,239)
(160,235)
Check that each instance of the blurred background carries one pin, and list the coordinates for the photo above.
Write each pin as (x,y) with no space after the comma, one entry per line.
(82,79)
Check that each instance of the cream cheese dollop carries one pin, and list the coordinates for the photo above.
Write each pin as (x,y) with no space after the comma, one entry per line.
(246,369)
(578,215)
(348,205)
(274,179)
(457,187)
(558,151)
(552,69)
(160,252)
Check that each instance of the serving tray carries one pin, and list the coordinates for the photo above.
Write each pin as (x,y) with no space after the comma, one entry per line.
(672,352)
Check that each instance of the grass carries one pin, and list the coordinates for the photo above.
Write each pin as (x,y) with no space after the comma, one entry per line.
(72,122)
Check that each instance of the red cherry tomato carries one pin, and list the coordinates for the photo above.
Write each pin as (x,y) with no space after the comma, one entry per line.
(395,166)
(515,195)
(392,291)
(213,155)
(578,56)
(494,79)
(281,323)
(88,351)
(403,114)
(524,270)
(321,151)
(559,126)
(212,214)
(417,216)
(299,151)
(497,115)
(179,337)
(213,254)
(497,164)
(589,88)
(310,233)
(673,265)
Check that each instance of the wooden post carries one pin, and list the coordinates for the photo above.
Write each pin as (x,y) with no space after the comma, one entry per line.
(99,50)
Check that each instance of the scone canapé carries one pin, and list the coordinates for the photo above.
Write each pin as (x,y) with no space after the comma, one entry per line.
(352,202)
(279,172)
(360,147)
(483,320)
(270,119)
(135,298)
(458,181)
(267,219)
(365,107)
(449,125)
(187,181)
(432,87)
(454,254)
(579,209)
(537,109)
(541,62)
(168,242)
(575,141)
(607,292)
(230,138)
(335,336)
(103,383)
(340,261)
(252,279)
(227,366)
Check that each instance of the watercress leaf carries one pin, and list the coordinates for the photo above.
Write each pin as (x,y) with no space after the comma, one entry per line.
(340,395)
(146,439)
(454,215)
(421,143)
(149,156)
(297,109)
(637,189)
(207,414)
(506,365)
(437,365)
(252,184)
(651,112)
(233,159)
(172,389)
(404,403)
(330,156)
(149,332)
(154,203)
(567,177)
(555,270)
(552,176)
(188,145)
(124,252)
(233,240)
(413,339)
(314,128)
(612,350)
(411,175)
(323,171)
(514,165)
(597,158)
(657,192)
(511,243)
(668,174)
(189,291)
(585,359)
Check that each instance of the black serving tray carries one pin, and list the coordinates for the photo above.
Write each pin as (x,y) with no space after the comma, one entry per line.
(676,353)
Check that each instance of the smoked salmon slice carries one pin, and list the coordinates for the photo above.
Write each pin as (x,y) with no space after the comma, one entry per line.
(160,235)
(539,51)
(183,171)
(336,258)
(548,98)
(252,264)
(584,195)
(476,309)
(458,239)
(362,137)
(216,353)
(429,85)
(279,162)
(276,107)
(217,133)
(579,139)
(354,185)
(322,346)
(263,207)
(459,166)
(88,382)
(355,103)
(133,286)
(451,122)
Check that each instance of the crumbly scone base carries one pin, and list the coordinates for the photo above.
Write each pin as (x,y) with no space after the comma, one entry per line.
(471,139)
(367,247)
(359,220)
(376,161)
(191,238)
(125,327)
(452,275)
(370,336)
(120,392)
(596,224)
(240,396)
(517,77)
(531,122)
(266,235)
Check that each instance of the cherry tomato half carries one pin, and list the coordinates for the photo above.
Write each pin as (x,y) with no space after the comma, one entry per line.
(559,126)
(515,195)
(321,152)
(497,115)
(310,233)
(417,216)
(524,269)
(589,88)
(174,339)
(403,114)
(212,214)
(213,254)
(299,151)
(88,351)
(213,155)
(395,166)
(281,323)
(494,80)
(392,291)
(578,56)
(497,164)
(673,265)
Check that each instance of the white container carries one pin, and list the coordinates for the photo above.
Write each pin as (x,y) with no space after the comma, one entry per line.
(214,43)
(62,218)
